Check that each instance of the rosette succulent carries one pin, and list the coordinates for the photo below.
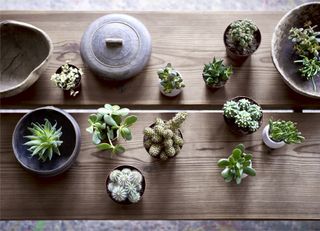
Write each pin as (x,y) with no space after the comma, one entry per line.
(170,79)
(216,73)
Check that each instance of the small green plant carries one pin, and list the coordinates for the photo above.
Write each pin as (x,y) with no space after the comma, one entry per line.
(245,114)
(68,78)
(241,36)
(164,139)
(238,164)
(310,69)
(108,124)
(44,140)
(286,131)
(216,73)
(125,184)
(170,79)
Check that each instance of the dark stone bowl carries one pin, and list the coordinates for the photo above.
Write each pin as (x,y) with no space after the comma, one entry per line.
(69,149)
(282,52)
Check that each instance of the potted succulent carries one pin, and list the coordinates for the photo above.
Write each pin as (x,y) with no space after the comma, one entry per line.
(171,82)
(125,185)
(109,124)
(237,166)
(163,139)
(215,74)
(241,38)
(46,141)
(68,78)
(280,132)
(243,115)
(307,48)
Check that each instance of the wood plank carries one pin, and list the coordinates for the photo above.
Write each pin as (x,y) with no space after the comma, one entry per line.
(188,40)
(187,187)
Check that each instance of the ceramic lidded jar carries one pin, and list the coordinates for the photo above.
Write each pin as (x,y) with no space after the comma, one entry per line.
(116,47)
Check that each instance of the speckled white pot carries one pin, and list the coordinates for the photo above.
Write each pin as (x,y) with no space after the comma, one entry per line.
(173,93)
(268,141)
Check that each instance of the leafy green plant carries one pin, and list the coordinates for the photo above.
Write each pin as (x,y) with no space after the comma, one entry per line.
(125,184)
(164,139)
(170,79)
(245,114)
(44,140)
(286,131)
(109,124)
(237,164)
(216,73)
(310,69)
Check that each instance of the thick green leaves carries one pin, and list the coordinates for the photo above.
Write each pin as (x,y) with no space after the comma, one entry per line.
(236,154)
(109,120)
(105,146)
(223,163)
(130,120)
(250,171)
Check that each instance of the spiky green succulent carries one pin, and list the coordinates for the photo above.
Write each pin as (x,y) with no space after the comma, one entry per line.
(44,140)
(170,79)
(125,184)
(164,140)
(215,73)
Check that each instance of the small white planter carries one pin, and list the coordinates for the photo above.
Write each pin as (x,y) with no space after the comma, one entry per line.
(173,93)
(268,141)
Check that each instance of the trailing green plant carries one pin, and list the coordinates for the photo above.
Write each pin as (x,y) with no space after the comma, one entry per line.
(170,79)
(44,140)
(216,73)
(164,140)
(245,114)
(108,124)
(241,36)
(237,164)
(286,131)
(310,69)
(68,78)
(125,184)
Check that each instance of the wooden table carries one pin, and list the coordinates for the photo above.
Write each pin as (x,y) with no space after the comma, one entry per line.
(188,186)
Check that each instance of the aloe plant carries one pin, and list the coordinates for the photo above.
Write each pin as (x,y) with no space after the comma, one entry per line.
(216,73)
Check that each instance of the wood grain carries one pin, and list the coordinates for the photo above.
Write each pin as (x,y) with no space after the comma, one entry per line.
(187,187)
(188,40)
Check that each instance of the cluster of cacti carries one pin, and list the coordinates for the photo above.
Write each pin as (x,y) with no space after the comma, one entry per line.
(170,79)
(125,185)
(44,140)
(241,36)
(216,73)
(246,114)
(164,140)
(68,78)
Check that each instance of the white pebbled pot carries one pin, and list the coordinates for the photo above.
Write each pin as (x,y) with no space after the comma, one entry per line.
(268,141)
(173,93)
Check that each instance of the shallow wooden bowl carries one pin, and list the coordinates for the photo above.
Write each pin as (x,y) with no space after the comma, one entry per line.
(283,55)
(25,50)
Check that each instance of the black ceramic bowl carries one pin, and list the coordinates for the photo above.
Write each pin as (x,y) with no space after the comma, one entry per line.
(69,149)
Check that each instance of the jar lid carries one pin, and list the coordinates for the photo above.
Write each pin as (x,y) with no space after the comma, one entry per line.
(116,46)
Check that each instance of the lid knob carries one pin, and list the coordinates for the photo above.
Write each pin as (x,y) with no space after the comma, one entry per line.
(114,42)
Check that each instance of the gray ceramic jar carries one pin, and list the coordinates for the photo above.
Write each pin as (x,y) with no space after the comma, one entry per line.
(116,47)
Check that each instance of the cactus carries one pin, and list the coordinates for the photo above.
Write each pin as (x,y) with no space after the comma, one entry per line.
(164,139)
(216,73)
(125,185)
(170,79)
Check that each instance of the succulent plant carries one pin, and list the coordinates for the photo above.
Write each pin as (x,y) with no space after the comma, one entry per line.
(108,124)
(125,184)
(44,140)
(170,79)
(310,69)
(164,140)
(67,78)
(286,131)
(216,73)
(241,36)
(245,114)
(237,164)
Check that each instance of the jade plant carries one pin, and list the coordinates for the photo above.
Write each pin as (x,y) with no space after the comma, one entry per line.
(44,140)
(216,73)
(109,124)
(164,140)
(237,166)
(245,114)
(68,78)
(170,79)
(125,185)
(286,131)
(307,46)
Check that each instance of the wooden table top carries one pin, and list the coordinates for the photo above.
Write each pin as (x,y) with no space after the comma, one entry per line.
(187,40)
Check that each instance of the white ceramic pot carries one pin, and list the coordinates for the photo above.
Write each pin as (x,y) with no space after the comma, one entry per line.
(173,93)
(268,141)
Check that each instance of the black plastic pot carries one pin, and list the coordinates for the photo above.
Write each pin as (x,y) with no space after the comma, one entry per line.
(143,184)
(69,149)
(78,83)
(232,53)
(231,122)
